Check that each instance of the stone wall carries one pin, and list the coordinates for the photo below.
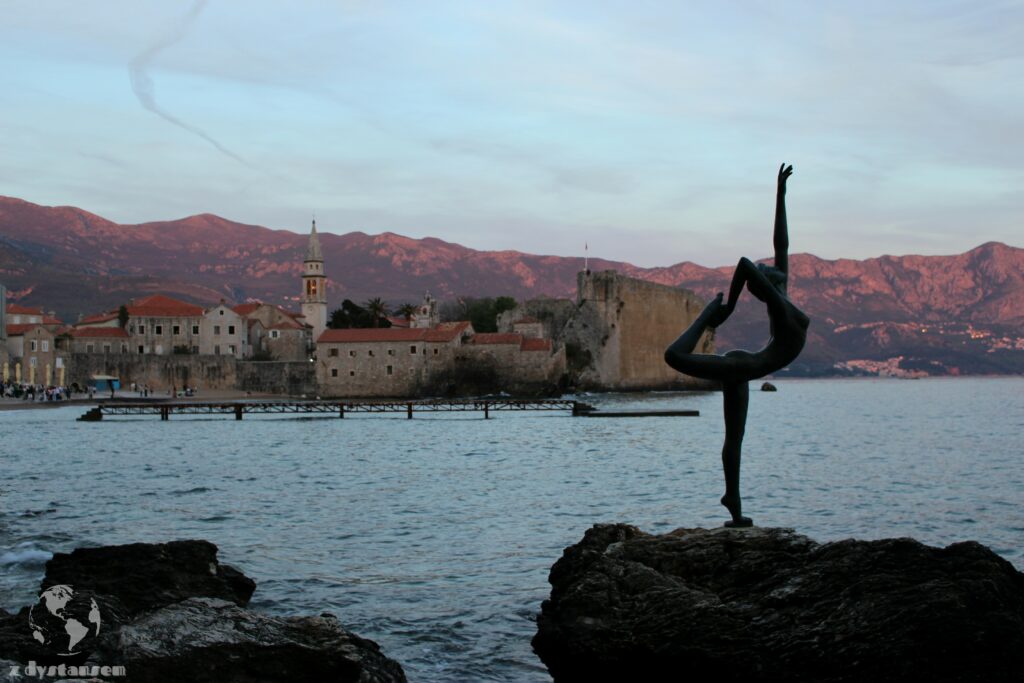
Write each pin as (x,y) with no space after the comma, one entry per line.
(290,378)
(159,372)
(616,332)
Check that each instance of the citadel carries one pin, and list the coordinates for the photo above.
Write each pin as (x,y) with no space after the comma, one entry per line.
(542,346)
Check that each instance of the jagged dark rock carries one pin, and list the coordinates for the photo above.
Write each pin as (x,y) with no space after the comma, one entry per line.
(146,576)
(768,386)
(764,604)
(171,612)
(205,640)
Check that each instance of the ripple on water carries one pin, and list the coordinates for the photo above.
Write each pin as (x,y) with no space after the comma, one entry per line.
(435,536)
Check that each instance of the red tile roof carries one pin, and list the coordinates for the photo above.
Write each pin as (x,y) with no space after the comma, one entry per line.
(160,306)
(497,338)
(92,332)
(21,328)
(246,309)
(98,318)
(446,332)
(533,344)
(287,325)
(50,320)
(381,334)
(23,310)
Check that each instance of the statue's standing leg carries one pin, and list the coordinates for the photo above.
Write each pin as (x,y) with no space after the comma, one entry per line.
(736,395)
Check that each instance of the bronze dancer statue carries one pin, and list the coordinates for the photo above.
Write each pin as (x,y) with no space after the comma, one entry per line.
(735,368)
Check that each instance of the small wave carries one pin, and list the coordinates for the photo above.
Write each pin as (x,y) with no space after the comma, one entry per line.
(25,555)
(185,492)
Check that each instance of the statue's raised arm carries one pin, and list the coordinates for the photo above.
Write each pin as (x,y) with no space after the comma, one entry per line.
(781,239)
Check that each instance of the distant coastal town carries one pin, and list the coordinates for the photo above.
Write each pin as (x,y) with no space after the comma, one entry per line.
(162,345)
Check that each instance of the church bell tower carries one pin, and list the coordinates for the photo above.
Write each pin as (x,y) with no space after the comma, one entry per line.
(314,286)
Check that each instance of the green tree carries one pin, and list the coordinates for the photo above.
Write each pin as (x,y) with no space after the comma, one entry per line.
(351,315)
(406,311)
(122,316)
(377,309)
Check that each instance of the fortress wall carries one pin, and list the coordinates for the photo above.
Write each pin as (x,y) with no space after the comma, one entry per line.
(159,372)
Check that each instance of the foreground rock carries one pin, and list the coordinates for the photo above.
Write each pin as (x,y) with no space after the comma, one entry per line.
(172,612)
(768,604)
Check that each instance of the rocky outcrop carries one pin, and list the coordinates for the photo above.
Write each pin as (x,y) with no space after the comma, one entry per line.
(147,576)
(771,605)
(172,612)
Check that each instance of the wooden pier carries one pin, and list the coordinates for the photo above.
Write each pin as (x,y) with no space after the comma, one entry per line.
(342,408)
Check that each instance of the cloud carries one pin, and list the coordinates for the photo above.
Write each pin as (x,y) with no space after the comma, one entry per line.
(144,90)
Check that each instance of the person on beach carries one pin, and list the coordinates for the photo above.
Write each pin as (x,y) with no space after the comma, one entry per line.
(734,369)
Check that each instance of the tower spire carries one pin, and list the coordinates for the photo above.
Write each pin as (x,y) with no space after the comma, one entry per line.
(313,251)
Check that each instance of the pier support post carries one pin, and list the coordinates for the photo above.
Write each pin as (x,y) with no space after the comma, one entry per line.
(164,410)
(487,411)
(341,410)
(409,411)
(238,411)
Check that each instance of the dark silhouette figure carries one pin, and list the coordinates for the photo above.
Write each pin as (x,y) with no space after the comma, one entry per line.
(735,368)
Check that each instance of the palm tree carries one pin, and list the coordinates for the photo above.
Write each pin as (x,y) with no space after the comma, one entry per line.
(406,311)
(377,310)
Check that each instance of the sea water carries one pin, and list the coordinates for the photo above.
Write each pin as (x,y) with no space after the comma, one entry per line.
(434,536)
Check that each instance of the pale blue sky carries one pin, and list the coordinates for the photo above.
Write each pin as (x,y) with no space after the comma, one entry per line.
(651,130)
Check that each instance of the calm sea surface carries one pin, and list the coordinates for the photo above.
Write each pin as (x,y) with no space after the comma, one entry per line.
(434,536)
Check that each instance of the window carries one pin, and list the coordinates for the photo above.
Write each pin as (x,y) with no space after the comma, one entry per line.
(216,350)
(231,349)
(391,370)
(391,352)
(231,329)
(370,352)
(176,330)
(195,349)
(142,329)
(124,348)
(334,372)
(159,349)
(435,352)
(351,373)
(88,348)
(274,334)
(216,329)
(332,352)
(32,361)
(195,329)
(159,329)
(32,345)
(106,348)
(46,345)
(352,354)
(221,311)
(412,349)
(142,349)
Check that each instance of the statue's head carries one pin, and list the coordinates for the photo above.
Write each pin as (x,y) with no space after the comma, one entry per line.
(775,277)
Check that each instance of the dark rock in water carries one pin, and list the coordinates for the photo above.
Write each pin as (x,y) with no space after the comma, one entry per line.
(768,386)
(763,604)
(171,612)
(145,576)
(205,640)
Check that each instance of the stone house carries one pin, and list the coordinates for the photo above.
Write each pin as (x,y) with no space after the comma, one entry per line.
(105,340)
(223,332)
(158,324)
(281,333)
(36,354)
(388,362)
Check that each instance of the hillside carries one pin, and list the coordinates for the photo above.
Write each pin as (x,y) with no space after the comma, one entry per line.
(945,314)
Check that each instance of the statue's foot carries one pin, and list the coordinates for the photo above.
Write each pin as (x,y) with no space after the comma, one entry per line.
(732,504)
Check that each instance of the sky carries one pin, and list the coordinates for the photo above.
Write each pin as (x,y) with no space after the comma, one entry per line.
(650,132)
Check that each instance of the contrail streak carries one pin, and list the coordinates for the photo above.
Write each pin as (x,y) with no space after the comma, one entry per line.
(142,84)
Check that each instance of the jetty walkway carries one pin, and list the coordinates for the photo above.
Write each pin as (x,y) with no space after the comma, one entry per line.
(342,408)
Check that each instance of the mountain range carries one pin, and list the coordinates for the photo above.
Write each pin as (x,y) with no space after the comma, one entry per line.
(959,314)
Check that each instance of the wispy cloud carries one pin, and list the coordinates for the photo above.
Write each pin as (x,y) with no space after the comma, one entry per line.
(145,91)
